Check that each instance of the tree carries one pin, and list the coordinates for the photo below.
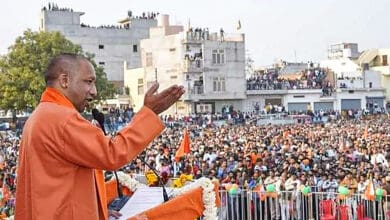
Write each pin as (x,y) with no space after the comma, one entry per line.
(104,88)
(22,69)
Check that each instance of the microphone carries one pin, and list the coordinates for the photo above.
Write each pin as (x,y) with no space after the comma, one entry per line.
(99,117)
(119,202)
(165,194)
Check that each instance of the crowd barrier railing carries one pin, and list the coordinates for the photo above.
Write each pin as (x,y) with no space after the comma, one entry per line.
(294,205)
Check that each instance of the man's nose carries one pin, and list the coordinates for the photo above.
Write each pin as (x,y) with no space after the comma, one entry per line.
(93,91)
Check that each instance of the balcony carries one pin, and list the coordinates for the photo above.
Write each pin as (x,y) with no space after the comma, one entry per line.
(197,90)
(192,66)
(194,93)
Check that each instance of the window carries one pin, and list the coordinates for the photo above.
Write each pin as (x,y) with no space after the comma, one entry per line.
(135,48)
(140,89)
(218,56)
(102,63)
(172,49)
(149,59)
(174,77)
(101,46)
(219,84)
(204,108)
(384,60)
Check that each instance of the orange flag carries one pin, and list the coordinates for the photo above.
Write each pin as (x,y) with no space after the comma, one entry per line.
(260,191)
(184,146)
(6,193)
(369,193)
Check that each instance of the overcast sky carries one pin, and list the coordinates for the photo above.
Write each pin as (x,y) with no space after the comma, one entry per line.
(293,30)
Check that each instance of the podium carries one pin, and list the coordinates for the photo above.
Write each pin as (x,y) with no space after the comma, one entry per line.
(186,206)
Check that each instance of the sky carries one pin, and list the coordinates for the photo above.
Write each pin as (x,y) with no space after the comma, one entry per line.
(291,30)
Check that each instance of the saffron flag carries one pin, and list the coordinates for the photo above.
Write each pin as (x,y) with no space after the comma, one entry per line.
(6,194)
(259,189)
(184,146)
(369,193)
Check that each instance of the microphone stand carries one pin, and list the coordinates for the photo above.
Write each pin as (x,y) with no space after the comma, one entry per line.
(118,186)
(119,202)
(165,194)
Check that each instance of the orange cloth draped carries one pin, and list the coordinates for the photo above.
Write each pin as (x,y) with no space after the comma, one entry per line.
(188,206)
(53,95)
(112,192)
(101,190)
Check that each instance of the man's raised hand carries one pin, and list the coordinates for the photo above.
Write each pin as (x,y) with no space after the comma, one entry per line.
(159,102)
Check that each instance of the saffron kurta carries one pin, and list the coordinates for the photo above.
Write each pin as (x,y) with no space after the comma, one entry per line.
(59,152)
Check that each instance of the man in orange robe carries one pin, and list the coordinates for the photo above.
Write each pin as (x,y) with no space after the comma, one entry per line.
(60,149)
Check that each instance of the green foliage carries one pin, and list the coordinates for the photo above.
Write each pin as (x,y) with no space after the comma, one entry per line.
(22,69)
(104,88)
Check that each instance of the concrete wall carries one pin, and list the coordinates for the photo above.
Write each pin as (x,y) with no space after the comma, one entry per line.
(342,67)
(357,94)
(131,77)
(118,43)
(233,70)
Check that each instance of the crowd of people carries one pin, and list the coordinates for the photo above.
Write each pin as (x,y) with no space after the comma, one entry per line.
(54,7)
(198,33)
(313,78)
(9,145)
(347,151)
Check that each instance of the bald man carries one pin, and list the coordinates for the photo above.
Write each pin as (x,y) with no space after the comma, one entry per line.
(60,149)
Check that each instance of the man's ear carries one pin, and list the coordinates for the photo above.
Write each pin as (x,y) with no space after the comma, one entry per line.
(63,80)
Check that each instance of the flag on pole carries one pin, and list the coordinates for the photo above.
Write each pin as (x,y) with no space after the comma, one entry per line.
(259,189)
(239,25)
(369,193)
(184,146)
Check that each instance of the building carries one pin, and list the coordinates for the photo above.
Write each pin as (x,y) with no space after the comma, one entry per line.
(308,88)
(111,44)
(211,67)
(378,60)
(343,50)
(336,84)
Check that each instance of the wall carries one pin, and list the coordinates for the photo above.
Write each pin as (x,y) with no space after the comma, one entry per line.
(342,67)
(357,94)
(131,77)
(118,43)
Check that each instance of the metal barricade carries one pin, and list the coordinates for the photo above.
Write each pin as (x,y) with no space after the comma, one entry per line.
(291,205)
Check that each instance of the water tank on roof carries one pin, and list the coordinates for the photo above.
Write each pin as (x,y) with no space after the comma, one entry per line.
(163,20)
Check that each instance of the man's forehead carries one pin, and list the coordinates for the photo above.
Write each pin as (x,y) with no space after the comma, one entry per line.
(86,70)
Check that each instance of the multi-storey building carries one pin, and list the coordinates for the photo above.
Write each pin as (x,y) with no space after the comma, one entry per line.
(111,44)
(211,67)
(338,83)
(343,50)
(378,60)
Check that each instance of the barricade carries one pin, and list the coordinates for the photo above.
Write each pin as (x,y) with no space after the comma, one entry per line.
(289,205)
